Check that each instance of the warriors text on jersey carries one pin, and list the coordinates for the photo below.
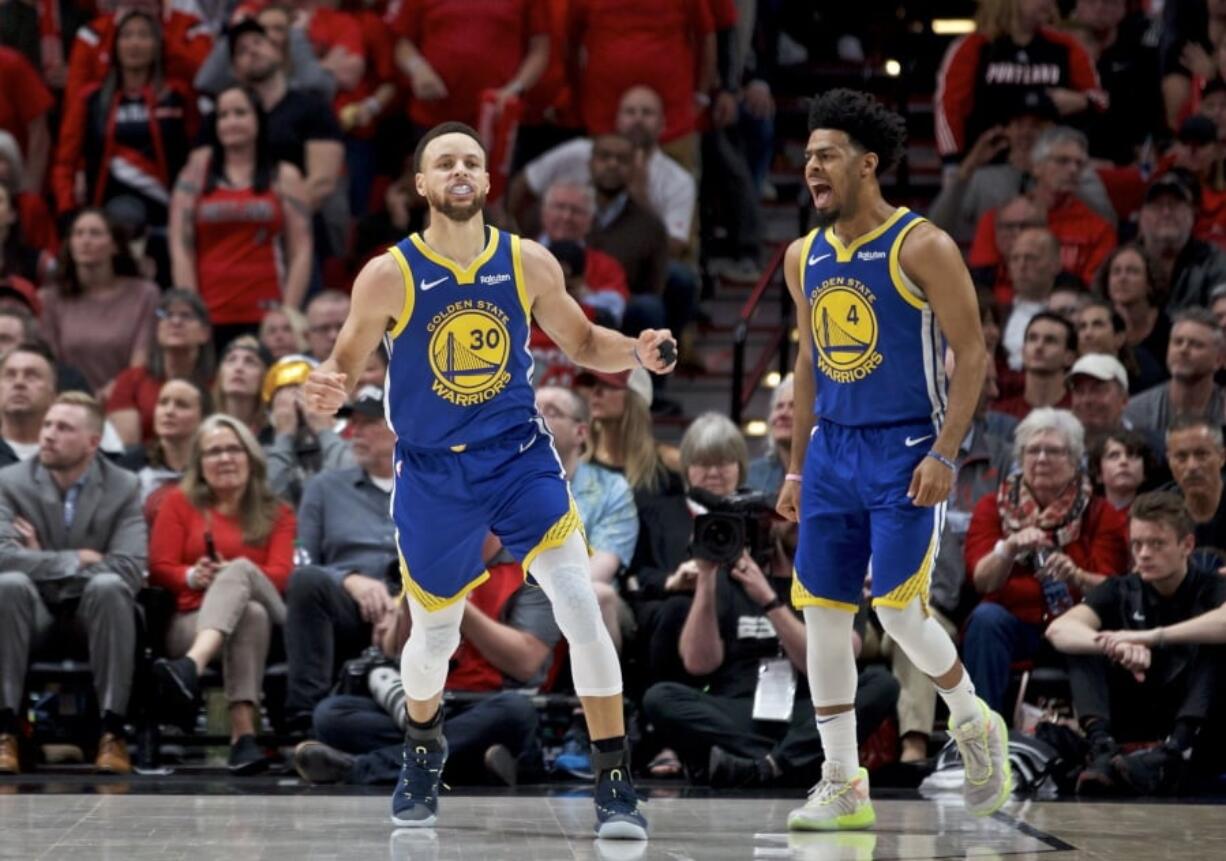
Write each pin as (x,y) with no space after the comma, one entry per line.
(877,351)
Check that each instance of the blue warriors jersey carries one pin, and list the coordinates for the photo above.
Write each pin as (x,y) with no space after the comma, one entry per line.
(877,351)
(460,371)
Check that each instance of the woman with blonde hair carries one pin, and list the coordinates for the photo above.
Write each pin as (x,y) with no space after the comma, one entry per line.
(224,545)
(622,437)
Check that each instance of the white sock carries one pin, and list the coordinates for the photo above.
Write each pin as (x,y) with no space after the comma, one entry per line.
(962,702)
(838,734)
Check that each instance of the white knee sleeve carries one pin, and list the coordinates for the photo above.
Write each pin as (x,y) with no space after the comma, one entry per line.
(829,657)
(920,636)
(432,641)
(564,574)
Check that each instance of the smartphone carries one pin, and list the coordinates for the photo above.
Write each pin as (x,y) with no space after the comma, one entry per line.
(210,549)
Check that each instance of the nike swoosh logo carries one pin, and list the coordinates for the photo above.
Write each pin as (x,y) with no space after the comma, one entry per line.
(525,446)
(1138,617)
(813,261)
(916,440)
(430,285)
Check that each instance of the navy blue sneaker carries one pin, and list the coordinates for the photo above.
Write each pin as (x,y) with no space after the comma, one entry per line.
(415,802)
(617,808)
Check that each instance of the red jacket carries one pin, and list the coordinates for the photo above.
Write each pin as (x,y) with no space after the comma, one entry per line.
(1086,238)
(186,43)
(177,542)
(1101,548)
(87,134)
(980,78)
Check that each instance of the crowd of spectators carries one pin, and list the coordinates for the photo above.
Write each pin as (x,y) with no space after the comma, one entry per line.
(187,188)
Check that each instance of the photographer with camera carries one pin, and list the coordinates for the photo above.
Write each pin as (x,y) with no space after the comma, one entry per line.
(508,639)
(1035,547)
(347,568)
(751,723)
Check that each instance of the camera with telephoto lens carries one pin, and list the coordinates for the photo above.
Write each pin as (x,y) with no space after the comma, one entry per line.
(354,675)
(732,525)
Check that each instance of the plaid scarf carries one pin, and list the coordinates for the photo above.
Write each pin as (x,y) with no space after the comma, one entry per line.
(1061,519)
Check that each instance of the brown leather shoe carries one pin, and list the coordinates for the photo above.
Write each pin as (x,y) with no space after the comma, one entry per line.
(9,762)
(113,755)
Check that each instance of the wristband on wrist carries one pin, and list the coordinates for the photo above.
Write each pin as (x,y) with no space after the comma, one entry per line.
(942,459)
(794,476)
(773,604)
(191,577)
(1001,549)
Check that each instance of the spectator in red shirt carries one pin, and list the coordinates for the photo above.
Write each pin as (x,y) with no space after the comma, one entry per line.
(37,226)
(1015,217)
(669,47)
(1198,151)
(131,133)
(453,52)
(224,546)
(1011,54)
(1034,548)
(240,234)
(1086,238)
(1049,349)
(17,256)
(25,102)
(181,348)
(186,41)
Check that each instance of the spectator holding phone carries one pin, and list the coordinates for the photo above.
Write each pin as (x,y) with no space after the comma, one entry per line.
(224,545)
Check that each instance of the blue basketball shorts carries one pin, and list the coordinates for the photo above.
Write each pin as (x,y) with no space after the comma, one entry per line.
(444,503)
(854,508)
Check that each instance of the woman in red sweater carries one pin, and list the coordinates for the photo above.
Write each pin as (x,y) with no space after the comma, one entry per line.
(1035,547)
(224,545)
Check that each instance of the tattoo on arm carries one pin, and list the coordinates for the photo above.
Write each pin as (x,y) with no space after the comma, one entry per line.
(298,205)
(189,234)
(187,186)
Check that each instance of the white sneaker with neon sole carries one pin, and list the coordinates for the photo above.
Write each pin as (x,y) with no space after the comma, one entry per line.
(984,745)
(839,802)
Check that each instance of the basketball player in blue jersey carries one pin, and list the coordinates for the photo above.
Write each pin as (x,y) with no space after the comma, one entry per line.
(877,290)
(453,305)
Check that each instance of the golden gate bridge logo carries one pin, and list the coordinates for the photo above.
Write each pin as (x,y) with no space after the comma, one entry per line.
(845,331)
(458,362)
(468,354)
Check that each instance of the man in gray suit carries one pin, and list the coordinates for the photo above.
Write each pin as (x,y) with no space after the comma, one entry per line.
(73,545)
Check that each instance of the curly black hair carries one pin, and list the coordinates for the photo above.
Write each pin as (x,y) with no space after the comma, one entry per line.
(871,125)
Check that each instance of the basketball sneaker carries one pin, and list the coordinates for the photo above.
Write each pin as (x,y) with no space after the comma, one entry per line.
(984,745)
(617,808)
(415,802)
(839,802)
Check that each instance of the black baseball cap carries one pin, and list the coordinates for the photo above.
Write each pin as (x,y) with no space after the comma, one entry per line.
(1176,183)
(1197,129)
(243,27)
(367,401)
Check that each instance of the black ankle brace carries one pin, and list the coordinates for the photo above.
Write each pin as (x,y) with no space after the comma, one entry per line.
(610,753)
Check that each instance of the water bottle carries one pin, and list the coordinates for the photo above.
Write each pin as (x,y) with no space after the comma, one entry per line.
(1056,594)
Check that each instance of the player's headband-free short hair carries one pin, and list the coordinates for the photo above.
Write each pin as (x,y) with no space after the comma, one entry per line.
(870,125)
(448,128)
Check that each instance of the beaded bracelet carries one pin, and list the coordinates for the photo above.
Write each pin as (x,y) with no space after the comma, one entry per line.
(942,459)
